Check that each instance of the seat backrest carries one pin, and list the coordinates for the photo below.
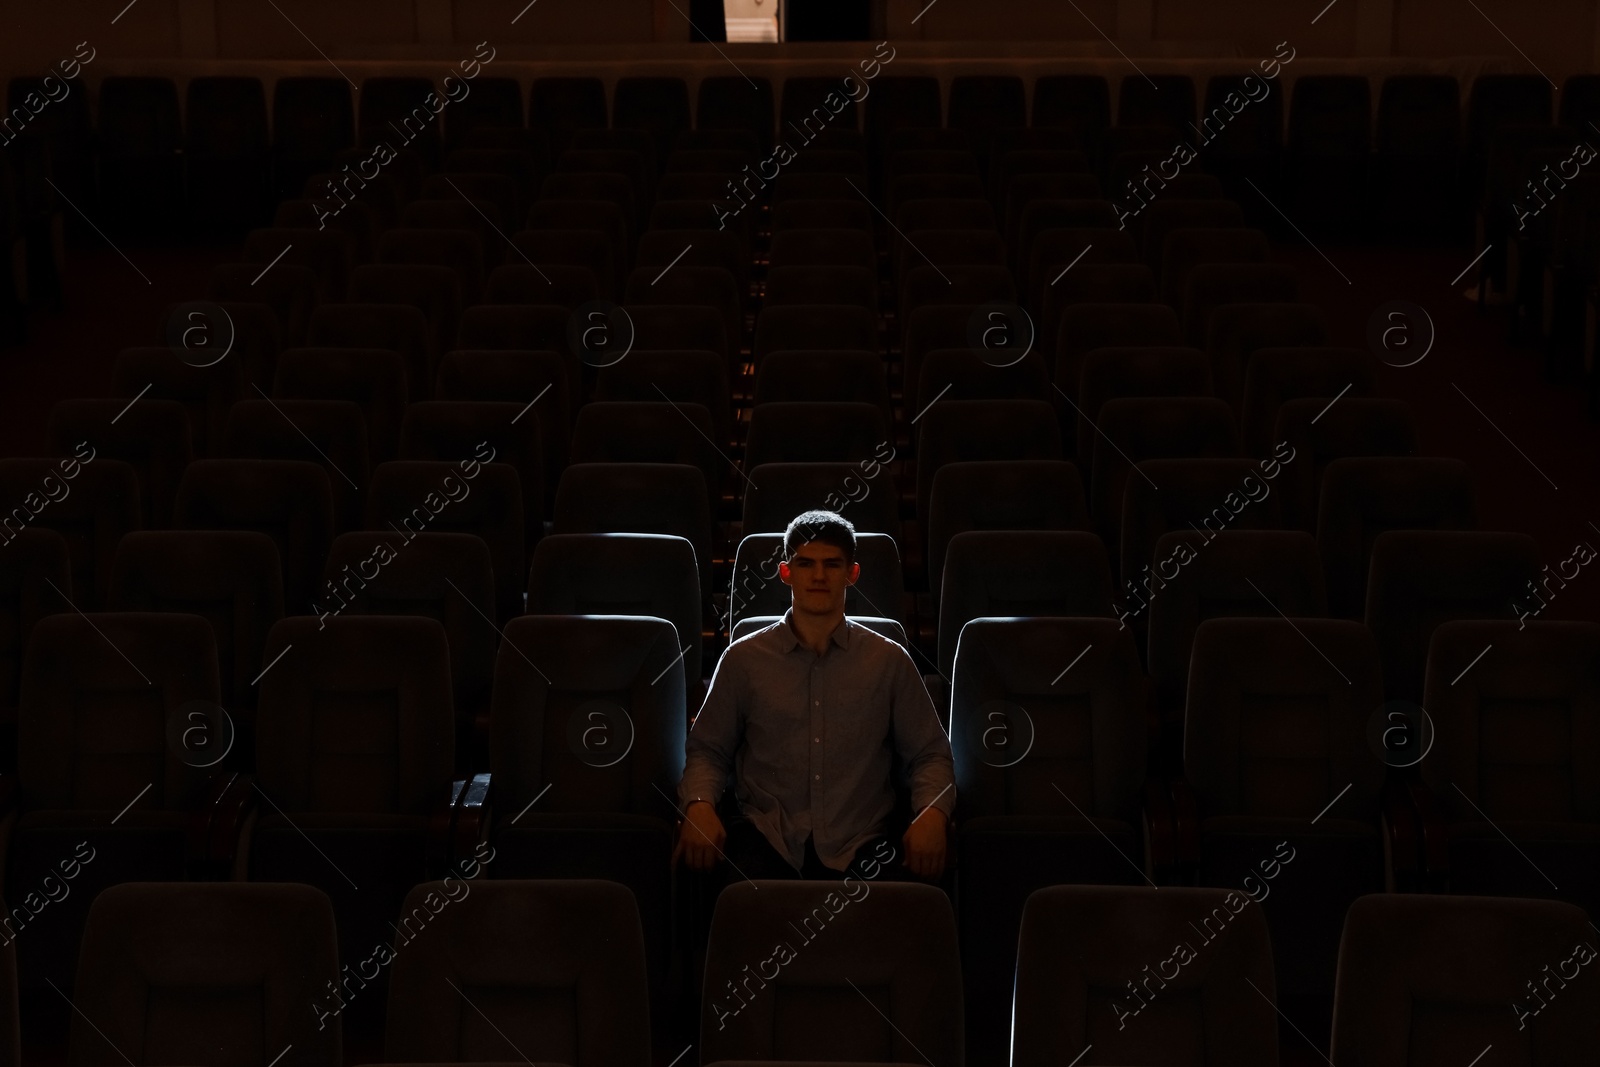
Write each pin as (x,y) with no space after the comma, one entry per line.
(1029,739)
(1201,494)
(1236,573)
(779,491)
(1418,579)
(555,967)
(288,500)
(660,498)
(231,578)
(1134,429)
(359,720)
(815,432)
(1236,331)
(1363,497)
(621,574)
(153,436)
(571,692)
(869,972)
(1007,494)
(956,430)
(457,430)
(1317,435)
(1277,718)
(1084,961)
(1422,978)
(447,577)
(190,971)
(1058,573)
(328,433)
(1276,375)
(1512,731)
(91,501)
(99,695)
(471,496)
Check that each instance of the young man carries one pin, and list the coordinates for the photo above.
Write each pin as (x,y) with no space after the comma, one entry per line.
(807,715)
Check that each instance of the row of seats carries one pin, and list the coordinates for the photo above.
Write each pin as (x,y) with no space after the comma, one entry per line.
(488,971)
(1282,790)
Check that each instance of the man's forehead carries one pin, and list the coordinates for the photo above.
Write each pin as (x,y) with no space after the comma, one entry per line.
(819,550)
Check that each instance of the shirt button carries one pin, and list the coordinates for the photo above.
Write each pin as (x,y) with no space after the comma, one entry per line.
(817,740)
(817,777)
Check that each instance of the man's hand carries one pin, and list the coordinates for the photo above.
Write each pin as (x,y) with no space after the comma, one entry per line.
(925,844)
(701,837)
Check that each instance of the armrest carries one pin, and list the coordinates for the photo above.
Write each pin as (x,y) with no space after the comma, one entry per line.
(1435,843)
(441,823)
(1402,833)
(471,816)
(1160,833)
(216,824)
(1186,828)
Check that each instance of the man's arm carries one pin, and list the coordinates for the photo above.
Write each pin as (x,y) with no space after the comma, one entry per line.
(925,752)
(708,760)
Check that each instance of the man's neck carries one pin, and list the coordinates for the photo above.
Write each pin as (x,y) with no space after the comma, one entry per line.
(815,631)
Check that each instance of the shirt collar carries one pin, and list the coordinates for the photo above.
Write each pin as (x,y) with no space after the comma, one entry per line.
(789,640)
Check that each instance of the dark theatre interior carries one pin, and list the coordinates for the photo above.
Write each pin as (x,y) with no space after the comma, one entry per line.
(411,413)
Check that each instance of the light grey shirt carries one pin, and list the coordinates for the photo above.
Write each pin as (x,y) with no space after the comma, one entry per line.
(810,739)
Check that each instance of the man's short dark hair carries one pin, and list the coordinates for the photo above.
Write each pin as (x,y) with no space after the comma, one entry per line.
(829,527)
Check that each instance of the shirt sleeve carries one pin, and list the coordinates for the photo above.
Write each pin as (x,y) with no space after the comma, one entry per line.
(715,735)
(921,742)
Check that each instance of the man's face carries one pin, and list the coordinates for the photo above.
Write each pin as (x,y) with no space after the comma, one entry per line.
(819,574)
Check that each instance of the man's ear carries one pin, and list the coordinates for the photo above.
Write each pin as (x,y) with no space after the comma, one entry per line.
(855,572)
(783,572)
